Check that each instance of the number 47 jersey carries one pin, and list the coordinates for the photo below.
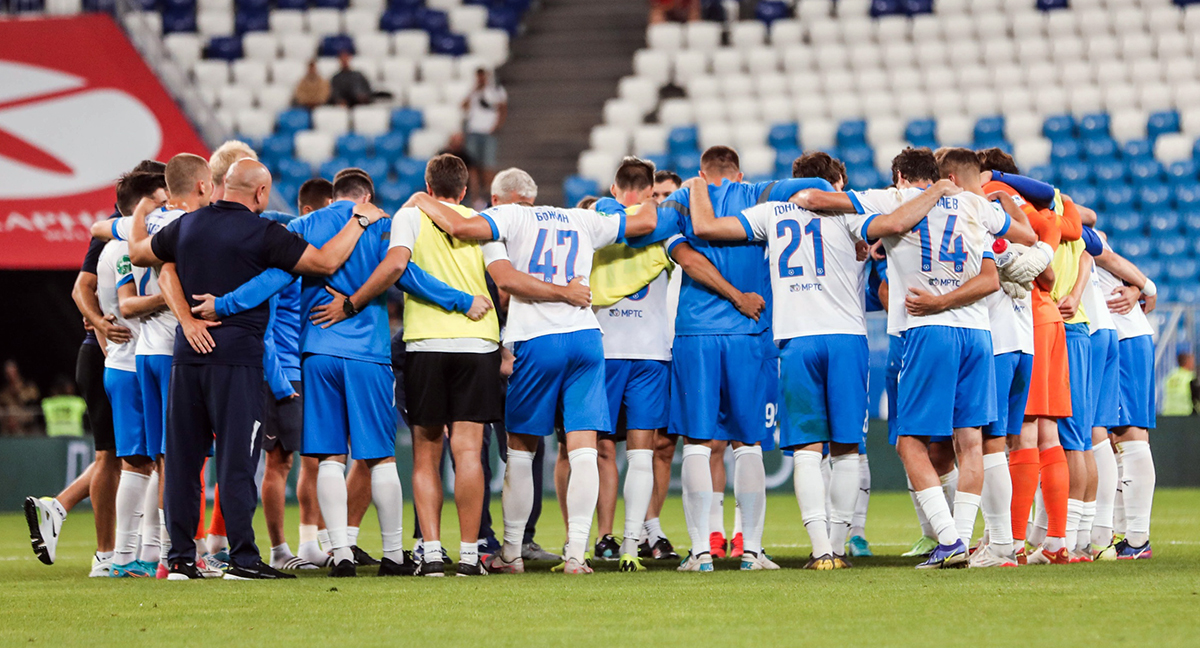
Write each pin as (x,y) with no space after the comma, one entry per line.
(817,283)
(555,245)
(939,255)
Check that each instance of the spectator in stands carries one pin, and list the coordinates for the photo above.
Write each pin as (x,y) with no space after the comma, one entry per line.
(18,401)
(486,108)
(63,410)
(312,90)
(674,11)
(349,87)
(1179,397)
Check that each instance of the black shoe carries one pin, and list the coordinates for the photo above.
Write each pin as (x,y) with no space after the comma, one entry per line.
(471,570)
(344,569)
(257,571)
(361,557)
(607,548)
(446,558)
(644,550)
(184,571)
(406,568)
(432,568)
(663,550)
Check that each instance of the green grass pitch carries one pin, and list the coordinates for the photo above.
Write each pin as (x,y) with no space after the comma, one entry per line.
(883,601)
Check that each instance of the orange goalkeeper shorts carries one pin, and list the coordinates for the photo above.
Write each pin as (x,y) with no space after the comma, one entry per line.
(1050,384)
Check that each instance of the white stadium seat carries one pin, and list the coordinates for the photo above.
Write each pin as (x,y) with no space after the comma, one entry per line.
(468,19)
(652,64)
(640,91)
(1128,124)
(665,36)
(323,21)
(412,43)
(818,134)
(211,73)
(373,45)
(610,139)
(371,120)
(758,161)
(185,49)
(275,98)
(490,44)
(359,22)
(715,133)
(425,143)
(650,139)
(255,123)
(786,32)
(235,99)
(747,34)
(286,21)
(676,112)
(1032,152)
(622,113)
(298,46)
(248,73)
(260,46)
(598,166)
(334,120)
(1173,147)
(313,147)
(702,35)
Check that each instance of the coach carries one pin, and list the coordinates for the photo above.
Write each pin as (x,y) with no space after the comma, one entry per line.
(217,372)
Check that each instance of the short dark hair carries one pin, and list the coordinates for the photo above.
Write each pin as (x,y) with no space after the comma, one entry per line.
(353,183)
(665,175)
(446,175)
(996,159)
(634,174)
(134,186)
(149,166)
(720,160)
(957,160)
(916,164)
(587,202)
(819,164)
(314,193)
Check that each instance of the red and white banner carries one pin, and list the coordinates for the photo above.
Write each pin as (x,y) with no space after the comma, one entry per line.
(78,107)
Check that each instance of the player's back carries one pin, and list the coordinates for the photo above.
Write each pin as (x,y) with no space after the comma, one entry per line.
(939,255)
(366,335)
(114,270)
(158,329)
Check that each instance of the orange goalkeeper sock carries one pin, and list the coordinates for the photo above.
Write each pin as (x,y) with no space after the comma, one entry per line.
(1056,486)
(203,502)
(1023,467)
(217,527)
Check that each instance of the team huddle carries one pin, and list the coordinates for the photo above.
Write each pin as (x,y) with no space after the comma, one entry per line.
(1020,365)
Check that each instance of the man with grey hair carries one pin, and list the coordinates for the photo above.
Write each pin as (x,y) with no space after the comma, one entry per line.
(513,185)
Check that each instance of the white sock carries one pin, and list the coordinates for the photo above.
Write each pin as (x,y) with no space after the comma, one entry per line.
(1083,538)
(309,548)
(432,550)
(696,474)
(653,530)
(922,521)
(1119,520)
(323,538)
(164,539)
(843,494)
(950,486)
(858,526)
(750,490)
(150,550)
(216,543)
(810,495)
(737,513)
(1036,533)
(331,495)
(997,502)
(516,501)
(716,512)
(281,554)
(966,508)
(1139,479)
(468,553)
(826,476)
(388,496)
(583,489)
(933,501)
(639,487)
(1106,492)
(1074,513)
(131,496)
(352,535)
(59,508)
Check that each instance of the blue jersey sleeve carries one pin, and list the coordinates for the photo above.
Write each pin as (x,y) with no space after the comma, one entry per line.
(1091,242)
(428,287)
(783,190)
(254,292)
(1031,189)
(280,387)
(671,213)
(608,205)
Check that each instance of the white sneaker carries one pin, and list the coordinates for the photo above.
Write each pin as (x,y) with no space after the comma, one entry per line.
(985,556)
(574,566)
(701,563)
(45,522)
(496,564)
(208,571)
(750,562)
(292,562)
(100,568)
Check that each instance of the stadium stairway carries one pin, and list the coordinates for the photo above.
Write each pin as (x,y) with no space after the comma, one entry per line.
(561,71)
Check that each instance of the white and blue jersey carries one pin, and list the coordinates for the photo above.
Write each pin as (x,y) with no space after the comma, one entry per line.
(558,347)
(120,367)
(1135,359)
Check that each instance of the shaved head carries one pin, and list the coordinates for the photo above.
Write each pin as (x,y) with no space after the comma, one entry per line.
(248,182)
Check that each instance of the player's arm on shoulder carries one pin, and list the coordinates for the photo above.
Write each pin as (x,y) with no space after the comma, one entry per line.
(325,260)
(705,223)
(109,229)
(919,302)
(529,288)
(133,305)
(142,251)
(1138,285)
(251,294)
(388,272)
(907,215)
(702,271)
(452,222)
(834,202)
(1019,230)
(194,330)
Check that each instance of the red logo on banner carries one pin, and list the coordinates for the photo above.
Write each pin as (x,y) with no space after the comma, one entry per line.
(78,107)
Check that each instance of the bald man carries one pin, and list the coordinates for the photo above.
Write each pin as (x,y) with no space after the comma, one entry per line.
(217,373)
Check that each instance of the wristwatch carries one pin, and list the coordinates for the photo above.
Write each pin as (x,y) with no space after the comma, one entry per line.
(362,220)
(348,307)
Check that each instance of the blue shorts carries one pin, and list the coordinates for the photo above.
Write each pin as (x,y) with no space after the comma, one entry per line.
(129,425)
(892,381)
(719,387)
(154,380)
(947,381)
(771,389)
(642,388)
(824,390)
(348,401)
(1136,361)
(1013,371)
(1104,390)
(561,371)
(1075,431)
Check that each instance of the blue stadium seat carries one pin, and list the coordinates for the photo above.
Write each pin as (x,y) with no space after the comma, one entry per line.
(857,155)
(299,5)
(410,169)
(769,11)
(852,133)
(866,177)
(331,4)
(1173,246)
(504,18)
(227,48)
(917,7)
(100,6)
(686,164)
(252,5)
(252,21)
(1165,121)
(392,191)
(1195,247)
(989,129)
(179,5)
(1074,171)
(1108,171)
(1051,5)
(277,147)
(1182,172)
(1044,172)
(449,44)
(783,160)
(886,8)
(433,21)
(293,170)
(395,20)
(1083,193)
(1064,150)
(1123,224)
(407,120)
(683,139)
(659,160)
(1145,171)
(1117,197)
(921,132)
(1140,149)
(1094,126)
(1100,148)
(1187,196)
(413,5)
(26,6)
(332,166)
(292,120)
(351,145)
(288,191)
(1165,222)
(1183,270)
(1166,291)
(179,21)
(1059,127)
(783,136)
(336,44)
(375,167)
(1136,247)
(1187,294)
(391,146)
(576,188)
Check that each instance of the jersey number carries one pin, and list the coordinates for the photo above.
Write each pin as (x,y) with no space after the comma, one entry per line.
(792,228)
(542,261)
(951,250)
